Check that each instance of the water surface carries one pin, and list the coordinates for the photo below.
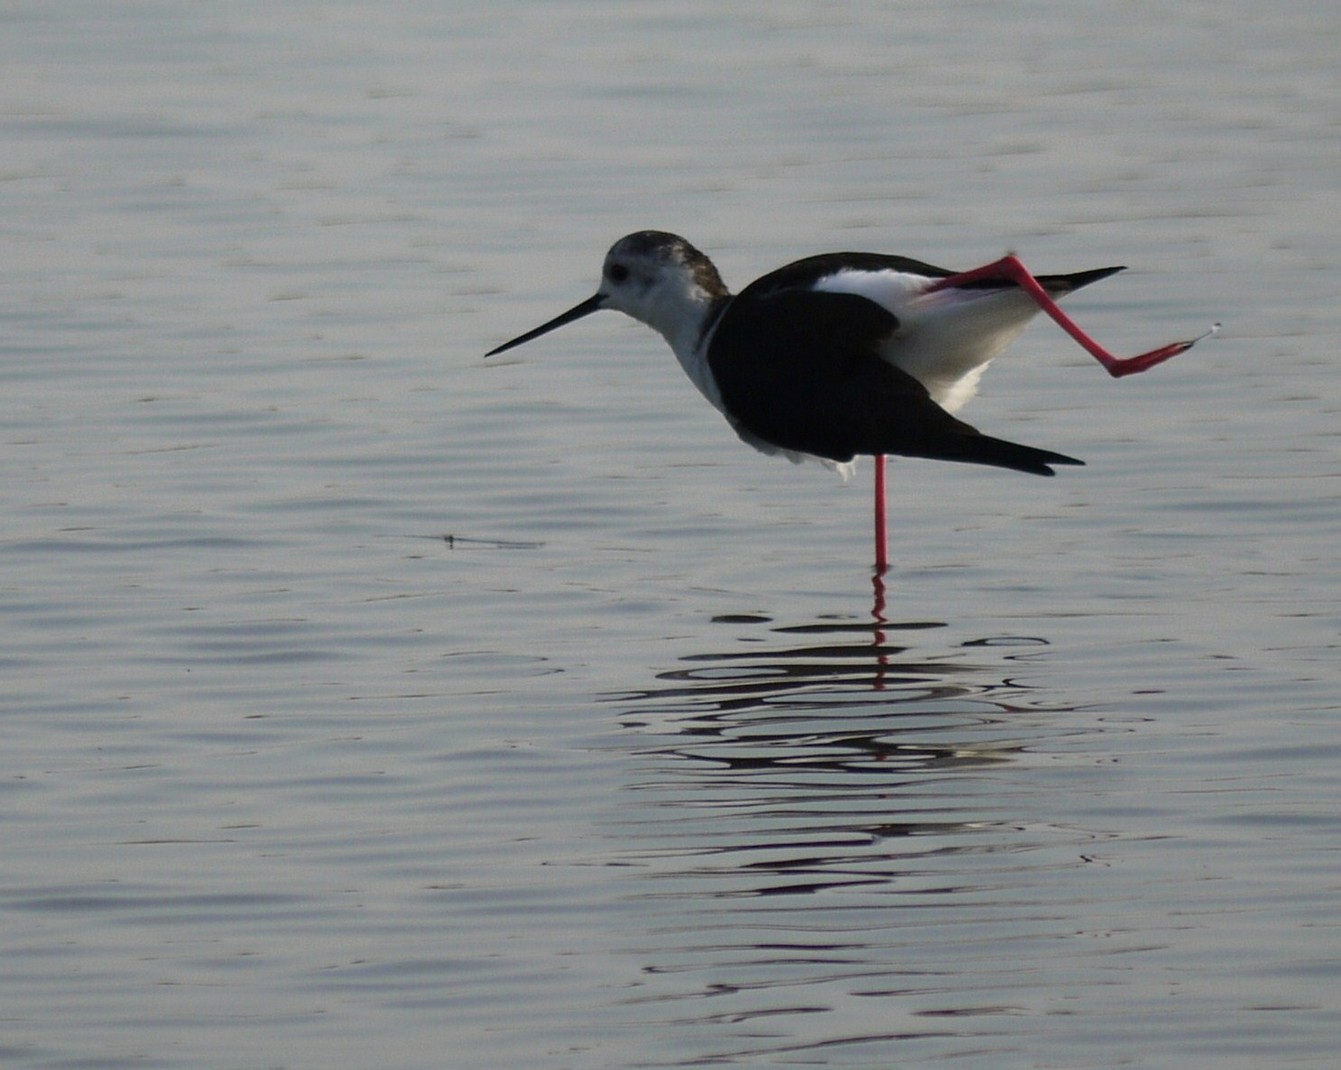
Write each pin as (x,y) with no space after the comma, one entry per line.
(638,768)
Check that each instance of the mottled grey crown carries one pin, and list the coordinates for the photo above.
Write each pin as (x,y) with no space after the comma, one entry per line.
(671,249)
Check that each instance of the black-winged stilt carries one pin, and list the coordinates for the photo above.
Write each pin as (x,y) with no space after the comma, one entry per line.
(844,353)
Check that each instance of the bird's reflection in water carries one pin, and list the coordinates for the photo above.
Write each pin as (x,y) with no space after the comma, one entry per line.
(829,829)
(805,749)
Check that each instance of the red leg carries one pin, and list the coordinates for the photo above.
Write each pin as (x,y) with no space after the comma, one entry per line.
(881,518)
(1012,268)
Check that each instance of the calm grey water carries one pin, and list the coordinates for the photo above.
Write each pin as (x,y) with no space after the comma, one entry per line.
(639,769)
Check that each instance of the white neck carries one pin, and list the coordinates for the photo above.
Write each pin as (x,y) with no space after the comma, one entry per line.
(679,314)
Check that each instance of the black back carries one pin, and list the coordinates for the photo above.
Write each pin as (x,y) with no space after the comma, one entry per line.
(800,369)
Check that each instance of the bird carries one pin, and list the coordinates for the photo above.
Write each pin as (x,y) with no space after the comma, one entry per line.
(842,354)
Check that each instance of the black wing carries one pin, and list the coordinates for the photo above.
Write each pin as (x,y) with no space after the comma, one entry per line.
(805,273)
(800,369)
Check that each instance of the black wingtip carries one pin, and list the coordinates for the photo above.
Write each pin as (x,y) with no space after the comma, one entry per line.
(1068,283)
(1061,458)
(984,449)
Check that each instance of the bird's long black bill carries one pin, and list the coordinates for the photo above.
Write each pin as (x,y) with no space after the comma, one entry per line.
(586,308)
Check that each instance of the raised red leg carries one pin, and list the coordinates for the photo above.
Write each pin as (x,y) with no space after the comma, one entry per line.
(1012,268)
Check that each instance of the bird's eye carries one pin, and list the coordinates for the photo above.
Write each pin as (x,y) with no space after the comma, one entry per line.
(617,273)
